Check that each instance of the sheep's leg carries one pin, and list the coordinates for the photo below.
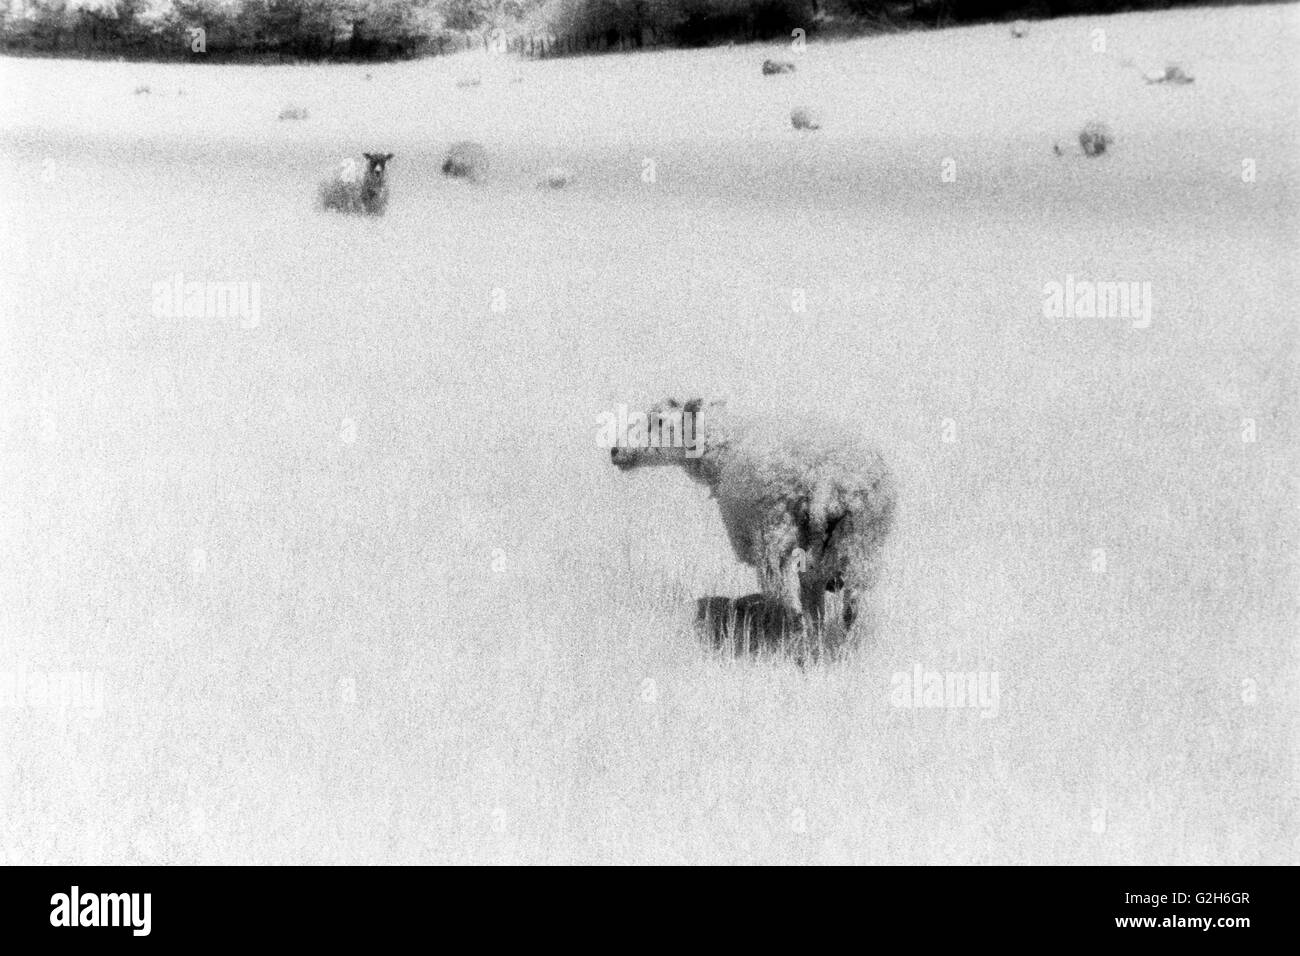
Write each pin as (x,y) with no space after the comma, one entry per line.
(852,598)
(859,543)
(775,581)
(778,575)
(792,590)
(812,593)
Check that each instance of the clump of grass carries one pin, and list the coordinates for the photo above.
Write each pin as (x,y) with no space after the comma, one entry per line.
(802,118)
(468,82)
(293,113)
(1095,138)
(142,89)
(777,67)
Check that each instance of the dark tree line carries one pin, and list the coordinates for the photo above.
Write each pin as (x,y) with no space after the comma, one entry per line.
(219,29)
(391,29)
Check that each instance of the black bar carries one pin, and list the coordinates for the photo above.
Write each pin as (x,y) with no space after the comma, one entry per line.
(927,906)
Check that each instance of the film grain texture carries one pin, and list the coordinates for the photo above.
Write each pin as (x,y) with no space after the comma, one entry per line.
(315,376)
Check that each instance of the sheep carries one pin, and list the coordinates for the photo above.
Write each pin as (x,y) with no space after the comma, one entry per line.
(466,160)
(358,187)
(1020,29)
(1173,74)
(801,118)
(776,67)
(809,508)
(1095,138)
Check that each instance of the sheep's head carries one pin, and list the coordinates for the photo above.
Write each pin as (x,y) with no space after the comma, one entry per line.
(375,165)
(670,433)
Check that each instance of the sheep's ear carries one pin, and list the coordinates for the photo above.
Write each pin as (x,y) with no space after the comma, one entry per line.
(387,156)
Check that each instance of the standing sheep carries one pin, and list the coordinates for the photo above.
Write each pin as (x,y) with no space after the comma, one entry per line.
(1095,138)
(810,509)
(803,118)
(357,187)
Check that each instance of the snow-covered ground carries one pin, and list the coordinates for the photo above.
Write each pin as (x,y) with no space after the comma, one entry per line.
(357,583)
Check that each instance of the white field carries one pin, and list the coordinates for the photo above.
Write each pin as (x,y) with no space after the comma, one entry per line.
(360,586)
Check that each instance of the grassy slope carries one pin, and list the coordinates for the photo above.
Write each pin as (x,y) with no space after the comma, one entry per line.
(512,613)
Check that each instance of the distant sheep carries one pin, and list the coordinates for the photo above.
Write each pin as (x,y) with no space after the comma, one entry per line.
(803,119)
(1173,74)
(1095,138)
(466,160)
(1020,29)
(358,187)
(808,507)
(776,67)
